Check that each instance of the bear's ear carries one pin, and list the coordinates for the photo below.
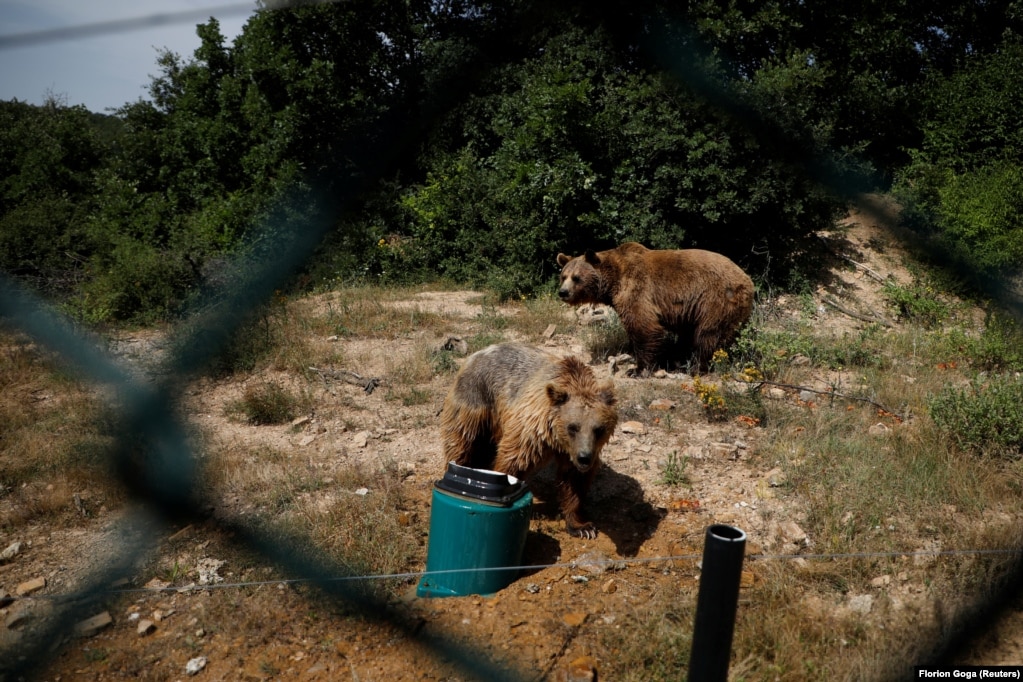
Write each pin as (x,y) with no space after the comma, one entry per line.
(591,257)
(556,395)
(563,259)
(607,396)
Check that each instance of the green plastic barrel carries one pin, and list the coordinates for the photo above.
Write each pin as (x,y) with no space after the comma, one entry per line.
(479,519)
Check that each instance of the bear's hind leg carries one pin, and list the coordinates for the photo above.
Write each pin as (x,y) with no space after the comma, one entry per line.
(466,437)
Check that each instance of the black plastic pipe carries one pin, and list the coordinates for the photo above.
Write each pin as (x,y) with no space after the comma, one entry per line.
(723,550)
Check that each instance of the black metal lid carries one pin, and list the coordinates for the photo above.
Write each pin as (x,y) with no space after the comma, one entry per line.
(482,484)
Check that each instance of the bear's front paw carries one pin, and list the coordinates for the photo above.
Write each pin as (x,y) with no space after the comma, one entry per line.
(587,531)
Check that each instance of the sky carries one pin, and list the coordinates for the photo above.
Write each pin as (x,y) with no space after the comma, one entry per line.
(110,58)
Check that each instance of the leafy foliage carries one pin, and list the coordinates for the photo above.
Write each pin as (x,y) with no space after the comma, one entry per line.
(48,157)
(986,417)
(964,188)
(474,141)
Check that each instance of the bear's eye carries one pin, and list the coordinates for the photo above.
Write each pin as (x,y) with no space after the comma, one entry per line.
(575,278)
(598,432)
(572,429)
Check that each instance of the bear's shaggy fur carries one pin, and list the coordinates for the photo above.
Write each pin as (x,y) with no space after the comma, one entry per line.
(701,297)
(514,409)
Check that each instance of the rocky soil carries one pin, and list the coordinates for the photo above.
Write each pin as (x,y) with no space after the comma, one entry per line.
(196,605)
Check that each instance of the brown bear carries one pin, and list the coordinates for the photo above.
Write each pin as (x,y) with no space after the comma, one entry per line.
(701,297)
(514,409)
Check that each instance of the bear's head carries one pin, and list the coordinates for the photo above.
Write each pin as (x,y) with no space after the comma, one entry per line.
(584,413)
(580,281)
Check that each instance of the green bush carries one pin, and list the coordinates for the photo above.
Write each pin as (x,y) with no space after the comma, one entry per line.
(572,151)
(917,302)
(268,403)
(986,417)
(999,347)
(981,214)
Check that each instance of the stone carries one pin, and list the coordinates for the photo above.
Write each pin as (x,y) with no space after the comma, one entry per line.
(729,450)
(159,615)
(792,533)
(574,619)
(582,669)
(30,587)
(775,478)
(300,421)
(861,603)
(92,626)
(195,665)
(662,404)
(207,569)
(594,562)
(145,627)
(549,332)
(157,584)
(11,552)
(879,429)
(610,587)
(881,581)
(361,439)
(637,428)
(306,440)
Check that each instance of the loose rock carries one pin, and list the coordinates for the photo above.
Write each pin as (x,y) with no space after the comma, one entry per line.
(11,552)
(574,619)
(582,669)
(879,429)
(30,587)
(92,626)
(637,428)
(861,603)
(195,665)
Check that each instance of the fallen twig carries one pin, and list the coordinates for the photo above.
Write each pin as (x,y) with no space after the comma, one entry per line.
(864,268)
(349,377)
(873,317)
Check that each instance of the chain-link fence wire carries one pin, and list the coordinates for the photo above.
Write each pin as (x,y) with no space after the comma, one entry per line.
(157,463)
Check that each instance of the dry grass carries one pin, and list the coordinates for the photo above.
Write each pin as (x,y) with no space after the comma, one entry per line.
(851,487)
(864,490)
(54,432)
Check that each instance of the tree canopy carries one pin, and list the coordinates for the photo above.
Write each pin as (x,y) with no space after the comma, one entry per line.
(475,140)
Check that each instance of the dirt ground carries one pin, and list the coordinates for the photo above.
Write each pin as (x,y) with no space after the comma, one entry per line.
(250,622)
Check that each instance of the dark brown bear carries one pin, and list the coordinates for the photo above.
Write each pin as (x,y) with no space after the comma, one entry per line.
(700,297)
(514,409)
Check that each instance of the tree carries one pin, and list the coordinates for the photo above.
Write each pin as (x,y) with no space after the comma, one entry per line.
(48,159)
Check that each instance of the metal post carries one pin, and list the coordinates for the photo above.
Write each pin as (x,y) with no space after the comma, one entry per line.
(716,603)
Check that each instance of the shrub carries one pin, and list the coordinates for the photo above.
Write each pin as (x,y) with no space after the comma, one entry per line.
(268,403)
(1000,346)
(917,302)
(674,471)
(608,338)
(985,417)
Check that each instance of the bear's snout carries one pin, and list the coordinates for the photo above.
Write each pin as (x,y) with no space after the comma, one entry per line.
(563,293)
(584,460)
